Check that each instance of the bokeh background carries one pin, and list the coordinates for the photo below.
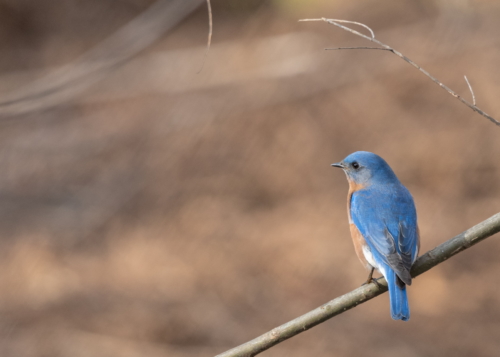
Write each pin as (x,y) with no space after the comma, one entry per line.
(153,205)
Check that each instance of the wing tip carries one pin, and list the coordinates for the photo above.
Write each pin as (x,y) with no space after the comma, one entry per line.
(403,279)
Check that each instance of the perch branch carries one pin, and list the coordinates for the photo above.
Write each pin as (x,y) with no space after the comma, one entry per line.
(400,55)
(352,299)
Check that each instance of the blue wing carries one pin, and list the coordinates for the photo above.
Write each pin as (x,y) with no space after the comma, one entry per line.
(387,219)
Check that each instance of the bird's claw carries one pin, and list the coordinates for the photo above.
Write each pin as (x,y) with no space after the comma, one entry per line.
(372,280)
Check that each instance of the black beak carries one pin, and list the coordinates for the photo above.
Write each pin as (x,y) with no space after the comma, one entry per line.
(338,164)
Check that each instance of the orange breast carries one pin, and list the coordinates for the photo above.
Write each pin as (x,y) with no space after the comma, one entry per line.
(357,237)
(359,243)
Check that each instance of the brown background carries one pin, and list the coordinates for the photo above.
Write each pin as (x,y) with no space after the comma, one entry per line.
(165,212)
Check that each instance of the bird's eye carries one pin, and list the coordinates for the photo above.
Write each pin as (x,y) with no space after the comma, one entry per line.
(355,165)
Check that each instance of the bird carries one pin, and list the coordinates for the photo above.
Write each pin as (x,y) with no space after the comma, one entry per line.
(383,224)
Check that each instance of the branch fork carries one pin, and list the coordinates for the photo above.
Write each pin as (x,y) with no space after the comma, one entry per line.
(385,47)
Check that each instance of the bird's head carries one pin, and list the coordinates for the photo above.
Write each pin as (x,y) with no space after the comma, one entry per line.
(365,168)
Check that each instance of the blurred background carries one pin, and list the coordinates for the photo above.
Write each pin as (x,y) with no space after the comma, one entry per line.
(152,207)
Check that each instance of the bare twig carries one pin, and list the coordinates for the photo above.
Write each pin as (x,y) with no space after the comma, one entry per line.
(357,48)
(471,91)
(348,22)
(209,40)
(352,299)
(400,55)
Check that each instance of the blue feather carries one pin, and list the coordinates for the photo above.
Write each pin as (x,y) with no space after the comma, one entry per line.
(400,310)
(383,211)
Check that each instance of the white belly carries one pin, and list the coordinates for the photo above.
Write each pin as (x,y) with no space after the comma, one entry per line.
(369,256)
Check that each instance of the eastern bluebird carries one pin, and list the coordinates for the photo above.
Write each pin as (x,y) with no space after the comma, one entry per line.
(383,224)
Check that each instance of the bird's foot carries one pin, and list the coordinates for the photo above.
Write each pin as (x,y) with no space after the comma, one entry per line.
(372,280)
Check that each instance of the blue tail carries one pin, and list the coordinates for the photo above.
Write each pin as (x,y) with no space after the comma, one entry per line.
(400,310)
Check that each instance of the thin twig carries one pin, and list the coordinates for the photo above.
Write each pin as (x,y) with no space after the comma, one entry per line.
(352,299)
(347,22)
(336,21)
(400,55)
(209,40)
(357,48)
(471,91)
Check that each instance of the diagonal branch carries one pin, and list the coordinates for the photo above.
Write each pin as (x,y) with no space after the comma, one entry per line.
(352,299)
(66,82)
(400,55)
